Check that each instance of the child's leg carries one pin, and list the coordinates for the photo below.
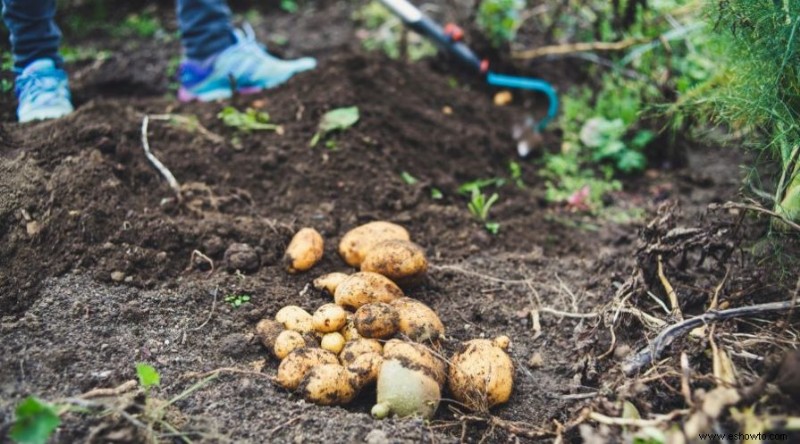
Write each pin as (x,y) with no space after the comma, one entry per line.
(206,27)
(34,34)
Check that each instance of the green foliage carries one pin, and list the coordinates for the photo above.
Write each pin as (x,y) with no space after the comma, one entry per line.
(73,54)
(7,61)
(479,205)
(383,31)
(479,184)
(237,299)
(143,25)
(290,6)
(6,85)
(515,170)
(338,119)
(148,375)
(250,120)
(436,194)
(408,178)
(34,422)
(500,19)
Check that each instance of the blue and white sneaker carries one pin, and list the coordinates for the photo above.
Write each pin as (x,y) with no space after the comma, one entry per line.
(43,92)
(245,65)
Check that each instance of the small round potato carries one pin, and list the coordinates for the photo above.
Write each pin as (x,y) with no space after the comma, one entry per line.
(349,330)
(418,321)
(377,320)
(304,250)
(329,318)
(481,375)
(365,287)
(298,363)
(329,282)
(295,318)
(354,349)
(405,391)
(328,384)
(421,356)
(333,342)
(356,243)
(286,342)
(267,331)
(401,261)
(502,341)
(364,369)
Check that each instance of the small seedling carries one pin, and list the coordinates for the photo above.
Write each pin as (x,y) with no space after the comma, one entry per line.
(492,227)
(6,85)
(338,119)
(237,299)
(436,194)
(480,184)
(35,420)
(148,376)
(250,120)
(479,205)
(289,6)
(515,169)
(408,178)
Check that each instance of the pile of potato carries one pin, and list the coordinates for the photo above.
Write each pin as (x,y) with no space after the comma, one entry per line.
(374,335)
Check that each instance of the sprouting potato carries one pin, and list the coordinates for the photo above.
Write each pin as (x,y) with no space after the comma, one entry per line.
(286,342)
(405,391)
(304,250)
(329,318)
(421,357)
(329,282)
(354,349)
(418,321)
(333,342)
(298,363)
(376,320)
(364,369)
(357,242)
(401,261)
(327,384)
(295,318)
(481,375)
(349,330)
(365,287)
(267,331)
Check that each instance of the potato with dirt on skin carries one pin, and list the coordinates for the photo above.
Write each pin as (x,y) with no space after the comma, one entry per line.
(377,320)
(349,330)
(304,250)
(403,390)
(418,321)
(327,384)
(354,349)
(267,330)
(329,282)
(329,318)
(364,369)
(333,342)
(481,375)
(295,318)
(356,243)
(401,261)
(298,363)
(286,342)
(423,357)
(364,288)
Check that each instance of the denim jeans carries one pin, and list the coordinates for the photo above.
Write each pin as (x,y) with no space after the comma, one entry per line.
(205,25)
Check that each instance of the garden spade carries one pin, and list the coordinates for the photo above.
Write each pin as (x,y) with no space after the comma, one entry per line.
(449,37)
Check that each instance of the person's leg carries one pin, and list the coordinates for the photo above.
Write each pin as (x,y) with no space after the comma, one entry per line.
(34,34)
(206,27)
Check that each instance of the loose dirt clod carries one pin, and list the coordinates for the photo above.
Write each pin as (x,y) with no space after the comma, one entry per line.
(241,257)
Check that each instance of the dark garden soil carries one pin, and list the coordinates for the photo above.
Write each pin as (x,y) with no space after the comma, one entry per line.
(98,268)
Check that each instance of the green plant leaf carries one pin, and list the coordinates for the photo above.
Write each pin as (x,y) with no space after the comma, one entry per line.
(630,161)
(250,120)
(492,227)
(436,194)
(408,178)
(35,421)
(338,119)
(148,375)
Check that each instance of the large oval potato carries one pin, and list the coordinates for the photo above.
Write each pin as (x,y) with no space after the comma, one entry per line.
(354,349)
(377,320)
(267,331)
(304,250)
(328,384)
(298,363)
(364,288)
(481,375)
(422,357)
(295,318)
(357,242)
(401,261)
(405,391)
(418,321)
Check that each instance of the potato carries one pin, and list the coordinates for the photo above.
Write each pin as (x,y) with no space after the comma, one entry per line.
(304,250)
(416,356)
(328,384)
(286,342)
(377,320)
(502,341)
(349,330)
(329,282)
(295,318)
(333,342)
(267,331)
(481,375)
(401,261)
(418,321)
(329,318)
(364,369)
(404,391)
(357,242)
(354,349)
(365,287)
(298,363)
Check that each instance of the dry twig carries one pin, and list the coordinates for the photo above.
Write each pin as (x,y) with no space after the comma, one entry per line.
(571,48)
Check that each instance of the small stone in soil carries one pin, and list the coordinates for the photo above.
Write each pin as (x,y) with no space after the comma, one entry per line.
(536,360)
(241,257)
(117,276)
